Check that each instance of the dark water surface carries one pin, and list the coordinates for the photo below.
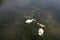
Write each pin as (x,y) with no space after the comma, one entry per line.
(13,14)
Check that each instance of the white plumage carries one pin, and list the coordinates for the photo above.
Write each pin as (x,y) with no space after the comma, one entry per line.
(30,20)
(41,25)
(40,31)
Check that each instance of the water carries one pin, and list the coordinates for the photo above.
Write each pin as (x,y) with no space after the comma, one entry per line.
(13,14)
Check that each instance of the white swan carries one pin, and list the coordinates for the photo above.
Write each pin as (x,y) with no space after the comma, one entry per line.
(40,31)
(29,20)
